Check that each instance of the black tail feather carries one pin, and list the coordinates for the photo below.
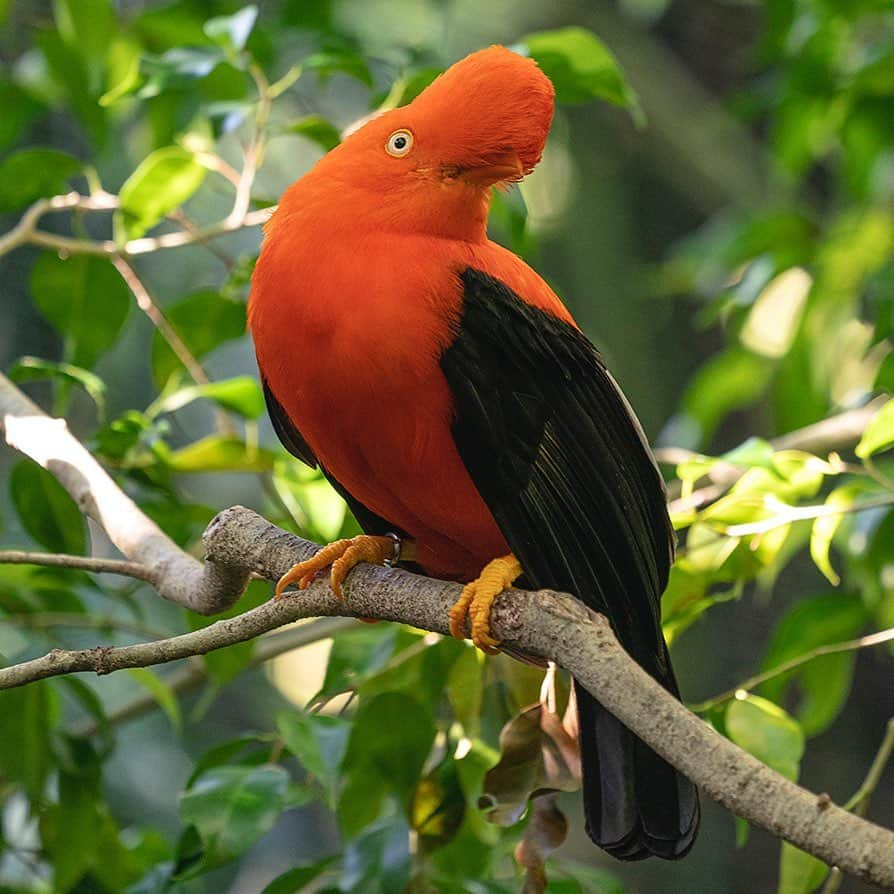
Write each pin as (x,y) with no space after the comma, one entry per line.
(636,805)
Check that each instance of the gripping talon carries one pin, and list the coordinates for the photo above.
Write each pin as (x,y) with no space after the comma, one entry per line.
(340,556)
(477,599)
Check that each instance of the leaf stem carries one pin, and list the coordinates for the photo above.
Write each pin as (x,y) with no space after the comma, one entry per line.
(864,642)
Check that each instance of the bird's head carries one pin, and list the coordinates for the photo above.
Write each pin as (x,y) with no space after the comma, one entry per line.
(428,166)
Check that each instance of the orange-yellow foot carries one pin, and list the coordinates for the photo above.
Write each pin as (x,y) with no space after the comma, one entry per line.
(477,599)
(342,556)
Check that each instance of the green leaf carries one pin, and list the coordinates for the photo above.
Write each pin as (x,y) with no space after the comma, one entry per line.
(824,528)
(330,62)
(32,174)
(85,25)
(241,394)
(581,67)
(297,879)
(219,453)
(203,320)
(390,739)
(19,110)
(438,806)
(231,32)
(28,720)
(822,684)
(46,510)
(879,433)
(319,742)
(231,807)
(799,873)
(161,692)
(162,182)
(317,129)
(766,731)
(85,301)
(30,369)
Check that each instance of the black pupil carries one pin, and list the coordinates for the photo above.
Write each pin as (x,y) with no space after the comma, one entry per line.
(400,142)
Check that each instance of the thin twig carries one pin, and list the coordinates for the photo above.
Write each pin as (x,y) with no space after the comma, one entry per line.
(864,642)
(156,315)
(135,570)
(26,231)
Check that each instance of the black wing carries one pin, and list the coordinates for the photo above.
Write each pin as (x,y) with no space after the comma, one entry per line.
(294,442)
(561,461)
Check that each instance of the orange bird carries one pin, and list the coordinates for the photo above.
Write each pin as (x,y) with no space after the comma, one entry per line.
(449,396)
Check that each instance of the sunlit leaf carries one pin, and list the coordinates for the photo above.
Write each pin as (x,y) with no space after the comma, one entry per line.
(766,731)
(825,526)
(220,453)
(241,394)
(162,182)
(799,873)
(879,433)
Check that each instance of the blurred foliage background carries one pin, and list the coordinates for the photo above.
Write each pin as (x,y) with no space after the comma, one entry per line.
(718,212)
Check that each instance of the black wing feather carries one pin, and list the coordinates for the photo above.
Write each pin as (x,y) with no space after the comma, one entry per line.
(562,462)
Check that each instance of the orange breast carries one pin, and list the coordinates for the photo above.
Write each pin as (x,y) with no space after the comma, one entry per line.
(350,347)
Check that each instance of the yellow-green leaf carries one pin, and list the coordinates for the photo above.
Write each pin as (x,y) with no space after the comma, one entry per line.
(163,181)
(799,873)
(879,433)
(766,731)
(220,454)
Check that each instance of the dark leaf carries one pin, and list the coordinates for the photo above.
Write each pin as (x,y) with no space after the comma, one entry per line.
(203,320)
(32,174)
(231,807)
(46,510)
(84,299)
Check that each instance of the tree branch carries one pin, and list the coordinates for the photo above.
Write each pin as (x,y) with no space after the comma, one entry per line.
(179,577)
(546,624)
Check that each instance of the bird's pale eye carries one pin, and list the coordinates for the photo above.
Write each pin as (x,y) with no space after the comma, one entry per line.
(399,143)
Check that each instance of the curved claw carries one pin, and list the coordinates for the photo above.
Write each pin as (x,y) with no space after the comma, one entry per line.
(477,599)
(342,556)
